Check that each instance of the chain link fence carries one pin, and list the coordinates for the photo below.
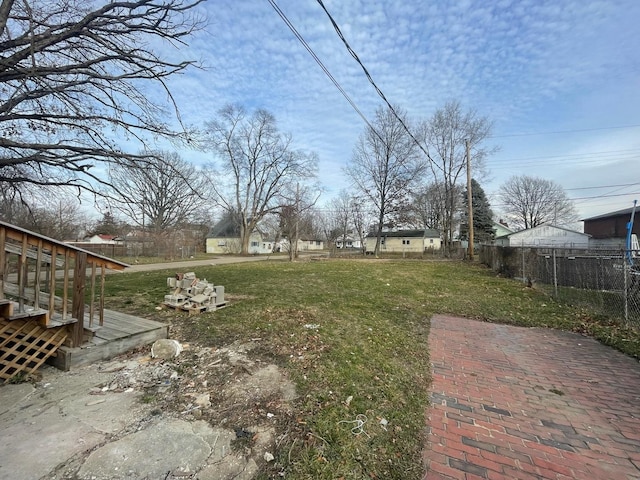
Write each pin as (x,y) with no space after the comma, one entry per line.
(603,280)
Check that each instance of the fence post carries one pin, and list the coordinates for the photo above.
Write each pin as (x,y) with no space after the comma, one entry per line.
(555,274)
(625,268)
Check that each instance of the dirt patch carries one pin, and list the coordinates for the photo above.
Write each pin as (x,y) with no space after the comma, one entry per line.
(239,399)
(226,386)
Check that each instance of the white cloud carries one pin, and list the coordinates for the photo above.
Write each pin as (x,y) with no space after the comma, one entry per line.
(531,65)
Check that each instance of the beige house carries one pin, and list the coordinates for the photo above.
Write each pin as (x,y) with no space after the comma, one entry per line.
(224,237)
(304,244)
(405,241)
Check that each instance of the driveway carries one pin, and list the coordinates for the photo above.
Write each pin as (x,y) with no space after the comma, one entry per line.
(529,403)
(181,266)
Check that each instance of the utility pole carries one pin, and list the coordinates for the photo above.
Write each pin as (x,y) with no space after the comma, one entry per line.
(469,201)
(297,214)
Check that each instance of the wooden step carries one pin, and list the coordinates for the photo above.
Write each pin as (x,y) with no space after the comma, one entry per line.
(57,321)
(12,312)
(6,308)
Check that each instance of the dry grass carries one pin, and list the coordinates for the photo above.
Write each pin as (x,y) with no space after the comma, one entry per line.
(353,335)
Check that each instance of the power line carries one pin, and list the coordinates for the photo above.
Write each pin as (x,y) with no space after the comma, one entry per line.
(631,151)
(322,66)
(556,163)
(377,89)
(557,132)
(605,196)
(604,186)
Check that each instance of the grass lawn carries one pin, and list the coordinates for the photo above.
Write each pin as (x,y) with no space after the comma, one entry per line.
(353,335)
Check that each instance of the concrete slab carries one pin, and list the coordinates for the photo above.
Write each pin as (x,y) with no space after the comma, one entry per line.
(166,447)
(91,424)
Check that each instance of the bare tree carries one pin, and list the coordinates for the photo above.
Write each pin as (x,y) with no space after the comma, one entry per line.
(446,134)
(385,166)
(532,201)
(347,217)
(296,219)
(57,215)
(71,80)
(258,165)
(161,195)
(340,207)
(427,206)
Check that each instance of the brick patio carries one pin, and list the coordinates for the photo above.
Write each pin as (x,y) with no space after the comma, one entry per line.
(529,403)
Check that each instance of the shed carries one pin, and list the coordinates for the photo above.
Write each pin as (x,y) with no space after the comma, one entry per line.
(545,235)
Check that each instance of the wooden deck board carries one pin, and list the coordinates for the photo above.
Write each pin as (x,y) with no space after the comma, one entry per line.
(121,332)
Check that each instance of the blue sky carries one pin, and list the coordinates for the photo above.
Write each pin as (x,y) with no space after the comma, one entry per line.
(563,72)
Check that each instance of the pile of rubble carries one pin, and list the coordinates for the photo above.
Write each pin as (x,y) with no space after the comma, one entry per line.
(193,295)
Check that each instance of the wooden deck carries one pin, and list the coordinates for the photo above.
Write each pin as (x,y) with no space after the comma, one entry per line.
(119,333)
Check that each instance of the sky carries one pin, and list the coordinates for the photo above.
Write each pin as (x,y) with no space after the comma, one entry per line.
(560,80)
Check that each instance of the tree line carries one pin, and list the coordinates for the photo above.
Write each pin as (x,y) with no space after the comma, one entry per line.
(75,80)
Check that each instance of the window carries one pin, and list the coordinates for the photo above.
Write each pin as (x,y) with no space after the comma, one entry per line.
(222,243)
(431,240)
(406,241)
(317,243)
(255,244)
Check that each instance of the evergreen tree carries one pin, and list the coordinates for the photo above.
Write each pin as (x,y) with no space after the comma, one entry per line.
(482,215)
(107,225)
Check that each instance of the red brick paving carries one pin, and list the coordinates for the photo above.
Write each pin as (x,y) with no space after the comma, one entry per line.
(528,403)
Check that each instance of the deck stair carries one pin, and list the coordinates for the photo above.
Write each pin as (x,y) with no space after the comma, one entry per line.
(46,286)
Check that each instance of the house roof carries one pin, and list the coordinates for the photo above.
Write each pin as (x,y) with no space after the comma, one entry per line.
(225,228)
(497,225)
(426,233)
(546,225)
(617,213)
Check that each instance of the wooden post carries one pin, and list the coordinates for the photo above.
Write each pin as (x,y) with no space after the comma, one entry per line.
(65,285)
(79,280)
(92,296)
(3,260)
(36,282)
(23,272)
(102,275)
(52,280)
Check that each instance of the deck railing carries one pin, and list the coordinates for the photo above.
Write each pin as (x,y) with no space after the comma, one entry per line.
(47,278)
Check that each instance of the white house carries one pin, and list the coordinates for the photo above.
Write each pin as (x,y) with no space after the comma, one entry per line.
(103,239)
(545,235)
(348,241)
(405,241)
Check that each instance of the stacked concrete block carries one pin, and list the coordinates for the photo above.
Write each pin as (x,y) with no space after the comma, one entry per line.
(192,294)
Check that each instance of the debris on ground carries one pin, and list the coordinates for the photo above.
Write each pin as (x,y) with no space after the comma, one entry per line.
(193,295)
(166,349)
